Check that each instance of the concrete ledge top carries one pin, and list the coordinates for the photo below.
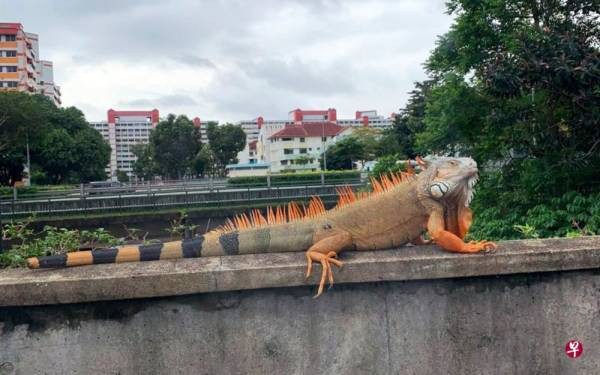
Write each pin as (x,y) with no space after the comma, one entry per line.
(216,274)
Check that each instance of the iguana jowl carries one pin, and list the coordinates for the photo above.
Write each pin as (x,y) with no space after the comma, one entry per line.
(398,212)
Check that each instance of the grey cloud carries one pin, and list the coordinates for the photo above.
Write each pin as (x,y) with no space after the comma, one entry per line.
(175,100)
(194,61)
(248,58)
(309,77)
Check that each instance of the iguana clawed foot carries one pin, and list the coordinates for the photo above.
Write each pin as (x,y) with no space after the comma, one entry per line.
(325,260)
(480,246)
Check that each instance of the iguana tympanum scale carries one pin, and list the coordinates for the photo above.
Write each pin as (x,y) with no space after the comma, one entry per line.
(399,211)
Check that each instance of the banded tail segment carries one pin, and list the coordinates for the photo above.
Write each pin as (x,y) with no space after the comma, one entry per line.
(191,248)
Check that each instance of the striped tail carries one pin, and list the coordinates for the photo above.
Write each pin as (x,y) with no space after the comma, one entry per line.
(190,248)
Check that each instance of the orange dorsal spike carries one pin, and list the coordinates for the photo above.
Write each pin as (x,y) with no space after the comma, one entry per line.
(410,170)
(377,188)
(279,215)
(270,215)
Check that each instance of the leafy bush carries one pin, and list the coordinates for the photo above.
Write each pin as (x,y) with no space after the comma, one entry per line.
(50,241)
(572,214)
(330,176)
(388,164)
(7,191)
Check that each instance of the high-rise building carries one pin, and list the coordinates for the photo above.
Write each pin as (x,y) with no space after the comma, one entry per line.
(122,130)
(46,82)
(202,126)
(20,66)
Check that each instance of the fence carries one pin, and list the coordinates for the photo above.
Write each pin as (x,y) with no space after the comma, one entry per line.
(157,199)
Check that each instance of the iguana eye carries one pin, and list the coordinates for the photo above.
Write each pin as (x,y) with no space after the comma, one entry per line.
(453,163)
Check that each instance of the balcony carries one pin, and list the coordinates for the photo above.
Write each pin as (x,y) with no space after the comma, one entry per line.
(8,60)
(8,45)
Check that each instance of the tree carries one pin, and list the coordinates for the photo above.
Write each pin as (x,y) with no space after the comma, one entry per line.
(61,144)
(516,84)
(409,122)
(204,163)
(225,142)
(387,164)
(122,176)
(25,119)
(344,153)
(57,153)
(175,143)
(369,139)
(92,154)
(144,166)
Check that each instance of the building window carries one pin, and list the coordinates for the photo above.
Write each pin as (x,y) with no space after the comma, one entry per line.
(302,139)
(288,151)
(11,53)
(286,139)
(284,162)
(303,151)
(10,38)
(11,69)
(11,84)
(323,139)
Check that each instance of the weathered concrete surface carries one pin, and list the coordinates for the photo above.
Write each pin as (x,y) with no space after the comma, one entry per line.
(513,324)
(189,276)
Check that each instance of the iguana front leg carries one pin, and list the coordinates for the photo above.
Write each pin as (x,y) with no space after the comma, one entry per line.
(325,251)
(450,241)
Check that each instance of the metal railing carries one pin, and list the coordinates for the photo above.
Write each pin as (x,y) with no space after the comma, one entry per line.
(85,190)
(215,196)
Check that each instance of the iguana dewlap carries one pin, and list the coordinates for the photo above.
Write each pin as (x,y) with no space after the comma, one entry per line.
(399,211)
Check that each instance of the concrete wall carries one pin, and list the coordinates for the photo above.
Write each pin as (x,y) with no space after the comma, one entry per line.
(516,323)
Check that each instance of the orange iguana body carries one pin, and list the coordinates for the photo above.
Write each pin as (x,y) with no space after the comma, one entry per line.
(399,211)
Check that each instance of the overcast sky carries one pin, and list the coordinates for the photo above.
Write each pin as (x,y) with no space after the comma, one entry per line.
(233,60)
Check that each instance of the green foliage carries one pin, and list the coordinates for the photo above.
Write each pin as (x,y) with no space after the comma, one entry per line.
(50,241)
(63,147)
(387,165)
(343,153)
(204,162)
(572,214)
(289,178)
(122,176)
(180,227)
(7,191)
(516,85)
(225,143)
(174,145)
(144,167)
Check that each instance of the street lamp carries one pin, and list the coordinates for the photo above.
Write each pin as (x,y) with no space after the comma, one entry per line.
(323,141)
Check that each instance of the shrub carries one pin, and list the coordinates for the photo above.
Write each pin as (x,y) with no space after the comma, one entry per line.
(50,241)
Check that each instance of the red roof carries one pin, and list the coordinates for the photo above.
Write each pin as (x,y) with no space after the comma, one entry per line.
(310,129)
(112,114)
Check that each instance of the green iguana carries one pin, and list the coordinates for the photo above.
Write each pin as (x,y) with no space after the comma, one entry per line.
(399,211)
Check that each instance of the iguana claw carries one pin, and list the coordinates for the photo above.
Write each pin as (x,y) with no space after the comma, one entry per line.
(325,260)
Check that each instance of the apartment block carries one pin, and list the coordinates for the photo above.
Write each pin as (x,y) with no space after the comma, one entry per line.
(122,130)
(298,147)
(20,66)
(202,127)
(271,146)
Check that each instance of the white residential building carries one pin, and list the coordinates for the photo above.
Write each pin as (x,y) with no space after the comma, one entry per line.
(298,147)
(123,130)
(270,151)
(20,66)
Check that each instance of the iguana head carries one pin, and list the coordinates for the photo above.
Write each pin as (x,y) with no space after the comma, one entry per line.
(449,180)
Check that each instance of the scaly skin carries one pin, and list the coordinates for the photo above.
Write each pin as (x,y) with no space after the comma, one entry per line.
(435,201)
